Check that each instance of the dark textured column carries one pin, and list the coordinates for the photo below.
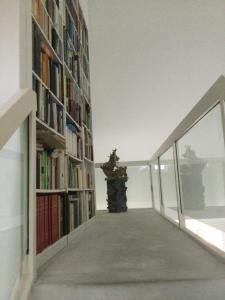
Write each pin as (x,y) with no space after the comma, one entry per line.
(117,198)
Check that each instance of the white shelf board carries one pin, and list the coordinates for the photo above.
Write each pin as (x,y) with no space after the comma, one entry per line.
(52,250)
(50,128)
(75,233)
(74,157)
(88,160)
(69,72)
(73,121)
(74,190)
(47,40)
(85,98)
(51,21)
(56,191)
(49,136)
(47,88)
(88,130)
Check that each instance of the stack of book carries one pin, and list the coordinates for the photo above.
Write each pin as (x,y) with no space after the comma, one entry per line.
(50,224)
(50,169)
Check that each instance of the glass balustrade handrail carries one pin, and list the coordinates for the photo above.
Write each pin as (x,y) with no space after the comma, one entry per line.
(214,95)
(14,112)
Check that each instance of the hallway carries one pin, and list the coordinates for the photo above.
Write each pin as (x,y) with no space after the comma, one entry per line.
(130,256)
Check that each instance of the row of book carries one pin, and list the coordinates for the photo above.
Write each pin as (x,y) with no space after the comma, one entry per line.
(72,31)
(91,203)
(46,14)
(87,115)
(53,9)
(47,68)
(85,86)
(50,216)
(48,110)
(73,7)
(74,211)
(50,169)
(88,151)
(83,29)
(88,176)
(73,141)
(75,179)
(71,59)
(85,65)
(74,110)
(71,91)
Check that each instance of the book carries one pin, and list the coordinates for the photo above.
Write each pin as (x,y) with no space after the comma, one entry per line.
(50,169)
(50,223)
(74,175)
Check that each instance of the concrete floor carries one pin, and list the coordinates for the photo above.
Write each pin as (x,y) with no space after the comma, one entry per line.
(130,256)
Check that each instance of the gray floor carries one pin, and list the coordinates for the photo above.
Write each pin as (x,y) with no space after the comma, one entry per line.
(134,255)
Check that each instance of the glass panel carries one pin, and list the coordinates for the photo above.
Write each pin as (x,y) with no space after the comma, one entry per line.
(101,190)
(168,183)
(13,209)
(155,184)
(202,176)
(138,187)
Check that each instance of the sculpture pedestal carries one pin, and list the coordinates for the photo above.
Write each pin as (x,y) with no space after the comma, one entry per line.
(117,198)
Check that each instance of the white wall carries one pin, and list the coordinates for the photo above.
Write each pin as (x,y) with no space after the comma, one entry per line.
(151,61)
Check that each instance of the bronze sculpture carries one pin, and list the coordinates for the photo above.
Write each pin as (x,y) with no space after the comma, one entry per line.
(116,188)
(111,169)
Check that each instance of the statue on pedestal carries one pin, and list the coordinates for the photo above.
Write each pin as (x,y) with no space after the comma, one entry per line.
(116,189)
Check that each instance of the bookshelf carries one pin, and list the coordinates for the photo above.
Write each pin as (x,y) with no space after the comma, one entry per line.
(64,156)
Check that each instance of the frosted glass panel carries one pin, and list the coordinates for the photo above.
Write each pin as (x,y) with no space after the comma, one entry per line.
(138,187)
(202,176)
(155,185)
(101,189)
(138,184)
(13,209)
(168,183)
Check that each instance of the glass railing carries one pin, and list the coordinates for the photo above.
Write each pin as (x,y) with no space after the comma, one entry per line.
(191,170)
(13,208)
(17,211)
(138,190)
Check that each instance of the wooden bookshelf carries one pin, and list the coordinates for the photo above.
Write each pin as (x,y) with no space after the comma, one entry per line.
(64,123)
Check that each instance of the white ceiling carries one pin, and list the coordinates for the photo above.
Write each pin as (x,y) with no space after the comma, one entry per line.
(151,61)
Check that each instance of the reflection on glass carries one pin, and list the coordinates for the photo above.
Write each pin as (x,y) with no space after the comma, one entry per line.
(202,177)
(155,184)
(168,183)
(13,209)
